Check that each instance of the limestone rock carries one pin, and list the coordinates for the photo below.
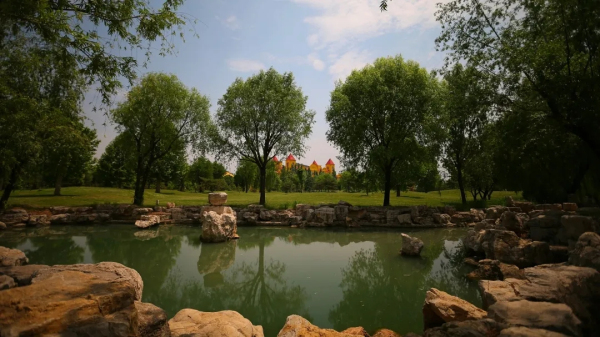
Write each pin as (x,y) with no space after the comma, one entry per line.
(138,212)
(388,333)
(569,206)
(520,331)
(2,225)
(217,199)
(511,222)
(22,274)
(472,242)
(14,216)
(170,205)
(69,303)
(411,246)
(12,257)
(218,227)
(341,212)
(441,307)
(495,270)
(525,206)
(442,219)
(507,247)
(405,219)
(471,328)
(194,323)
(296,326)
(572,226)
(587,251)
(147,221)
(357,331)
(544,227)
(109,272)
(556,317)
(7,282)
(38,220)
(152,320)
(325,215)
(60,210)
(60,218)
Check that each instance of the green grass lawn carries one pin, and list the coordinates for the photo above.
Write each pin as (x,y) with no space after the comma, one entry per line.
(87,196)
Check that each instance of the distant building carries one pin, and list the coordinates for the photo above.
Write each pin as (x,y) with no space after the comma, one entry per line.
(228,174)
(314,168)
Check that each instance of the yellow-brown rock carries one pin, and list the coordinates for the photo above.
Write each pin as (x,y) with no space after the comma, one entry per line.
(194,323)
(441,307)
(296,326)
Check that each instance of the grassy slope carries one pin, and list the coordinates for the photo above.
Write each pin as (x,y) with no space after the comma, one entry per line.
(86,196)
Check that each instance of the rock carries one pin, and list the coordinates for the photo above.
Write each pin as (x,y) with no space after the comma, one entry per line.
(471,262)
(472,242)
(194,323)
(569,206)
(14,215)
(556,317)
(441,307)
(38,220)
(69,303)
(147,221)
(109,272)
(587,251)
(325,215)
(152,320)
(511,222)
(450,210)
(138,212)
(507,247)
(250,218)
(442,219)
(495,270)
(341,212)
(266,215)
(389,333)
(218,227)
(544,227)
(170,205)
(22,274)
(356,331)
(411,246)
(12,257)
(471,328)
(217,199)
(344,203)
(509,201)
(2,225)
(60,210)
(577,287)
(405,219)
(7,282)
(520,331)
(60,218)
(525,206)
(572,226)
(218,209)
(296,326)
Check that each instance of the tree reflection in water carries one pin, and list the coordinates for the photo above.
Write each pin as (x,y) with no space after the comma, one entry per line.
(382,289)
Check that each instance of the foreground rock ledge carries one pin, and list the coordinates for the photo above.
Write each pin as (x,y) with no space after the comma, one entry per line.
(194,323)
(441,307)
(297,326)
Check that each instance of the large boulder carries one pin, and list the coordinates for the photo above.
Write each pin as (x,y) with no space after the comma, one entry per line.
(470,328)
(495,270)
(69,303)
(544,227)
(572,226)
(296,326)
(405,219)
(12,257)
(390,333)
(357,331)
(441,307)
(147,221)
(587,251)
(22,274)
(507,247)
(218,227)
(577,287)
(38,220)
(109,272)
(194,323)
(152,320)
(217,199)
(7,282)
(556,317)
(325,215)
(472,242)
(411,246)
(511,222)
(14,216)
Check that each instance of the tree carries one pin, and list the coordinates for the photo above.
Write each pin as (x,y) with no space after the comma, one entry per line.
(245,175)
(161,115)
(467,100)
(168,168)
(68,149)
(325,182)
(39,92)
(91,34)
(379,115)
(116,167)
(262,116)
(218,170)
(550,47)
(200,171)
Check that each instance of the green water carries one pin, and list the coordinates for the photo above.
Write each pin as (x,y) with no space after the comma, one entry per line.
(334,278)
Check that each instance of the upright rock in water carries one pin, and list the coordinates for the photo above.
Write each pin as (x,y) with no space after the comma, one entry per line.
(12,257)
(411,246)
(189,322)
(587,251)
(217,199)
(219,227)
(441,307)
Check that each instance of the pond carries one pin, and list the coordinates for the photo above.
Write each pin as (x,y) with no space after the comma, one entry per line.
(334,278)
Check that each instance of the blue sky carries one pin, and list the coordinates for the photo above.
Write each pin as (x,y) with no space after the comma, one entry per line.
(320,41)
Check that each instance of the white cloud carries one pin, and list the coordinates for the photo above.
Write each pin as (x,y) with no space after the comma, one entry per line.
(245,65)
(314,60)
(231,22)
(343,66)
(342,21)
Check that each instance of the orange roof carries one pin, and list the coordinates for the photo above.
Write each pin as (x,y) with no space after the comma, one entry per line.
(275,159)
(329,162)
(290,157)
(315,163)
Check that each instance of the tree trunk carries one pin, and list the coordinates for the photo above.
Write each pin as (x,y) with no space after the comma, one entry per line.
(263,183)
(398,190)
(157,186)
(461,186)
(387,186)
(12,180)
(58,184)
